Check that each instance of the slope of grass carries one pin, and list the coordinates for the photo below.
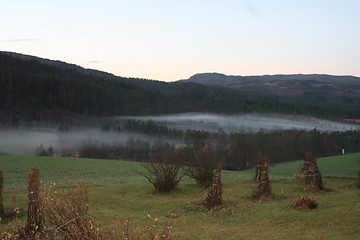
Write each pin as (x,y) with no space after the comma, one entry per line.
(337,217)
(56,169)
(117,193)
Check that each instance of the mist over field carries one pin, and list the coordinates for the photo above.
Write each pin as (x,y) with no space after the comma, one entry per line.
(26,140)
(244,122)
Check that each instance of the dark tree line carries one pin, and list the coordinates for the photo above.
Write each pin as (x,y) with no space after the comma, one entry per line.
(237,150)
(31,89)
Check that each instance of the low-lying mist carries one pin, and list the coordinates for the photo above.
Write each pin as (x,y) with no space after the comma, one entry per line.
(244,122)
(26,140)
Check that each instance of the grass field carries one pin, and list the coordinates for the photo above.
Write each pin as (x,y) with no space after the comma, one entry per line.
(117,193)
(95,171)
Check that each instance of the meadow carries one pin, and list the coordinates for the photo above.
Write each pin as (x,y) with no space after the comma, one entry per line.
(117,193)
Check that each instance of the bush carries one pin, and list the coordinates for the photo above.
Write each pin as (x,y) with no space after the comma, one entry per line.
(162,171)
(67,212)
(202,166)
(308,202)
(66,217)
(213,197)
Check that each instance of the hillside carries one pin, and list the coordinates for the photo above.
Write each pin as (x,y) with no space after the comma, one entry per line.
(311,87)
(116,194)
(33,88)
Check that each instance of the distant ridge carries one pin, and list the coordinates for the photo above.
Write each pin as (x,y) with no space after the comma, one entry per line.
(215,78)
(320,87)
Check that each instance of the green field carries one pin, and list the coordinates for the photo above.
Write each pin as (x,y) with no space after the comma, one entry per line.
(94,171)
(117,193)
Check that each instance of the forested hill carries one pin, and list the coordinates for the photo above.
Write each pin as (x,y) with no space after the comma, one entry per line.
(307,87)
(32,88)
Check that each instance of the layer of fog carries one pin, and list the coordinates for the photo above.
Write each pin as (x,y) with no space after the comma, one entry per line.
(26,140)
(244,122)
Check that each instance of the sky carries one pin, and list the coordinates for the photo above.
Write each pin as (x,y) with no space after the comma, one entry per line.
(169,40)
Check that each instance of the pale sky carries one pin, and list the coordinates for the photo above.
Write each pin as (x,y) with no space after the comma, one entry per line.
(170,40)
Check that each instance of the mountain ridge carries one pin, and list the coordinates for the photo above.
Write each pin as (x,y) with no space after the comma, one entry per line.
(333,88)
(204,77)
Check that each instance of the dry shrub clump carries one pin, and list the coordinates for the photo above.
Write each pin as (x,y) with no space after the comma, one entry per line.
(202,167)
(313,179)
(163,171)
(66,211)
(63,214)
(213,197)
(307,202)
(264,188)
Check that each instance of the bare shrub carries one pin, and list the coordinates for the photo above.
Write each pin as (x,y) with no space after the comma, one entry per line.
(35,219)
(67,211)
(202,166)
(213,197)
(313,179)
(163,171)
(307,202)
(264,188)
